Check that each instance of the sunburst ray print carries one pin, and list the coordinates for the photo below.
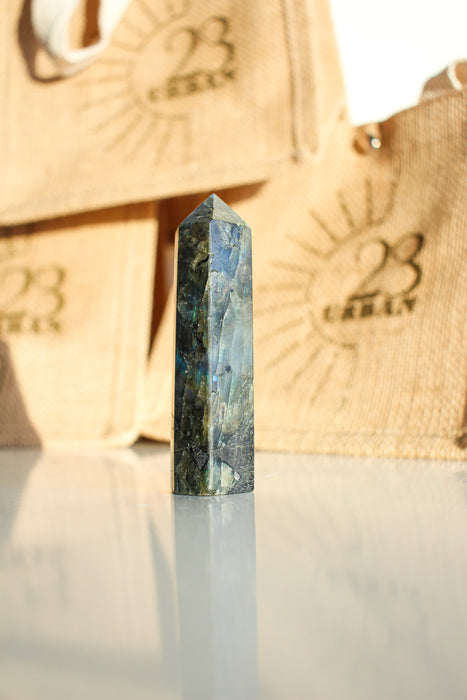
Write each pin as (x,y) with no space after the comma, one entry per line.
(333,283)
(138,97)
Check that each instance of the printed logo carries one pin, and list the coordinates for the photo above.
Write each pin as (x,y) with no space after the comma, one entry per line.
(161,57)
(340,289)
(31,297)
(186,78)
(365,278)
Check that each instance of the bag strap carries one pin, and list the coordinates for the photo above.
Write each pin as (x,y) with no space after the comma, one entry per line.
(368,137)
(51,21)
(454,77)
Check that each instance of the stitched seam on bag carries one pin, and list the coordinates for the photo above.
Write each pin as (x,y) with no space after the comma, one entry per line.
(129,273)
(144,193)
(461,439)
(142,384)
(321,434)
(126,281)
(458,95)
(109,426)
(289,13)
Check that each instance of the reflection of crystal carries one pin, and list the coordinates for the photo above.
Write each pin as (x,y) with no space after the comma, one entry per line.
(213,447)
(215,552)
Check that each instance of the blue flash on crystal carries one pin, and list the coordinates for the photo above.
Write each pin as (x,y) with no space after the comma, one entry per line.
(213,432)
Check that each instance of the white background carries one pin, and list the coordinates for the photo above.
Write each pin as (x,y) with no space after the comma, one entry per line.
(389,49)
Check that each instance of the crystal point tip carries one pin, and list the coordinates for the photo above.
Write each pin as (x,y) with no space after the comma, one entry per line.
(213,209)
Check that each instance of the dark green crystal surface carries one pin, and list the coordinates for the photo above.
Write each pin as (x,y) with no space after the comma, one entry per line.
(213,434)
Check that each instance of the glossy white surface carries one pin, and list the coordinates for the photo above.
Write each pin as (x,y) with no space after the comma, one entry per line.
(340,578)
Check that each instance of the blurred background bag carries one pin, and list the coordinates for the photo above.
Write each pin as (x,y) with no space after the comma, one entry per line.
(75,310)
(359,246)
(328,97)
(186,96)
(359,293)
(173,97)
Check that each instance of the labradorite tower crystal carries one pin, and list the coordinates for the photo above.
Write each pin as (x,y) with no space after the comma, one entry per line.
(213,436)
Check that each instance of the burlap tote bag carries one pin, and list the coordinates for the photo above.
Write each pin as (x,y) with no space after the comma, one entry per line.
(175,97)
(75,293)
(75,308)
(359,294)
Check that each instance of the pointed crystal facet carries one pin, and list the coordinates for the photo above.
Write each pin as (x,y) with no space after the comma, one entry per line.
(213,445)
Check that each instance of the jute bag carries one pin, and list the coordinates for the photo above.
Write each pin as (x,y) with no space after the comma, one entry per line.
(360,293)
(179,97)
(75,309)
(72,372)
(328,96)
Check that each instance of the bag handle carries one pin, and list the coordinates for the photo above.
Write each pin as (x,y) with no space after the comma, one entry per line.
(454,77)
(51,21)
(368,137)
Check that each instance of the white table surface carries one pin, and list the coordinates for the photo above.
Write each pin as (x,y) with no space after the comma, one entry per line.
(339,578)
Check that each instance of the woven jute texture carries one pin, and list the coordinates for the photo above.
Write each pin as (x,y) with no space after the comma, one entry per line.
(75,307)
(360,295)
(188,96)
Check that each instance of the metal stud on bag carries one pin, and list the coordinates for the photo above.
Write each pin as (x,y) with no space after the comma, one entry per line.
(367,138)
